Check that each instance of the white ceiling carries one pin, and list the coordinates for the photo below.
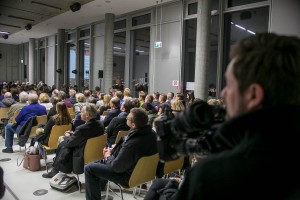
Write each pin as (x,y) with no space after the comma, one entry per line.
(89,12)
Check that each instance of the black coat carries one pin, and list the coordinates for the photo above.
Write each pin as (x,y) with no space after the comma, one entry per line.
(117,124)
(69,154)
(24,132)
(110,115)
(139,142)
(257,159)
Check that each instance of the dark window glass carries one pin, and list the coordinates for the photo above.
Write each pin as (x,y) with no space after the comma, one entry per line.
(192,8)
(120,24)
(232,3)
(237,26)
(85,33)
(142,19)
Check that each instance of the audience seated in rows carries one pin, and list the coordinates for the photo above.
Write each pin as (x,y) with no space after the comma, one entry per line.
(33,109)
(69,154)
(120,161)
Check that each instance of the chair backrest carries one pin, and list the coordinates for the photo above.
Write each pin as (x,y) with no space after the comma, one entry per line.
(171,166)
(3,113)
(121,134)
(144,171)
(40,120)
(13,118)
(56,132)
(71,110)
(93,148)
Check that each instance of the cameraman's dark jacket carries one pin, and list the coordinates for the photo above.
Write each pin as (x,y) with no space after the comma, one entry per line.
(124,156)
(258,158)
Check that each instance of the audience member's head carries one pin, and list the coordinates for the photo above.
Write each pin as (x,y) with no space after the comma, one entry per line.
(44,98)
(23,97)
(137,118)
(33,98)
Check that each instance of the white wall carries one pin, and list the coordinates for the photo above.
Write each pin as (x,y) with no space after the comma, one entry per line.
(165,64)
(285,17)
(50,61)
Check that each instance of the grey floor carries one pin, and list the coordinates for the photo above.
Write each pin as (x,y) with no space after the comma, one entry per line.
(24,183)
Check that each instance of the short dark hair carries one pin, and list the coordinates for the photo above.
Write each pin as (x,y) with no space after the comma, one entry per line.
(271,61)
(128,105)
(139,117)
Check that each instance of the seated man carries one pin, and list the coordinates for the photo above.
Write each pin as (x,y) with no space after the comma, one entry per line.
(69,154)
(33,109)
(119,123)
(120,161)
(114,112)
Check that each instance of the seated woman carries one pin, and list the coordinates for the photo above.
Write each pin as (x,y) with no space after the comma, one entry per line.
(61,118)
(44,100)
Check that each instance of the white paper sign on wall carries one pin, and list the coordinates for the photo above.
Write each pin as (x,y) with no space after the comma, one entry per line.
(175,83)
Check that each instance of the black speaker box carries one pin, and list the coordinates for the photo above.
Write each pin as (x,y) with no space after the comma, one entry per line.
(100,74)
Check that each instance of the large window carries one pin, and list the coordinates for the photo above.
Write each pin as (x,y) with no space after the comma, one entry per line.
(238,25)
(72,62)
(84,72)
(119,59)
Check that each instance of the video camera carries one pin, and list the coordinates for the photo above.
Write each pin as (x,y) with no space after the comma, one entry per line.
(188,133)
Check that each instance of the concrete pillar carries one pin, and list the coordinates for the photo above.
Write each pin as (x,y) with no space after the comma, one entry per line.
(202,49)
(108,51)
(60,58)
(31,78)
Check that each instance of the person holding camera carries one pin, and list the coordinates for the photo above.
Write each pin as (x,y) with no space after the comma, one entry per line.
(258,145)
(119,162)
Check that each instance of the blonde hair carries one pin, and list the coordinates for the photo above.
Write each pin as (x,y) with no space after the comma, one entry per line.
(80,98)
(177,105)
(44,98)
(106,100)
(127,92)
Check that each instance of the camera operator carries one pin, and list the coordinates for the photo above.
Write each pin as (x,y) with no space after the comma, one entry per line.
(258,146)
(260,140)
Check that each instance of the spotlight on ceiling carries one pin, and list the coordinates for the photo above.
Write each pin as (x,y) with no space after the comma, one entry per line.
(5,37)
(28,27)
(75,7)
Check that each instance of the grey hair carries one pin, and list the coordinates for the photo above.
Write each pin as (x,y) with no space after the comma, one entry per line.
(23,97)
(91,110)
(7,95)
(33,98)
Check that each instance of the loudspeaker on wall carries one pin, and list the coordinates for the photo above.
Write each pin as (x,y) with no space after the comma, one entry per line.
(100,74)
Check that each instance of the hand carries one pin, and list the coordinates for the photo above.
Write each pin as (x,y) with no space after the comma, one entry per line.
(68,133)
(106,152)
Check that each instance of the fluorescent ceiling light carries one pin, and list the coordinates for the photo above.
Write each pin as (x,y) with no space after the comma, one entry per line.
(140,51)
(117,48)
(251,32)
(240,27)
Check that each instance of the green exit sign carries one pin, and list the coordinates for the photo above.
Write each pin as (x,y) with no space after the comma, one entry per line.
(158,44)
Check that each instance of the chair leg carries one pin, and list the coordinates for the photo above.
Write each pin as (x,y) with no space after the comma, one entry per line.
(45,158)
(78,183)
(121,191)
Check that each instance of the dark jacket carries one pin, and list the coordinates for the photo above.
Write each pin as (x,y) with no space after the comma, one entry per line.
(256,156)
(24,132)
(69,154)
(139,142)
(110,115)
(117,124)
